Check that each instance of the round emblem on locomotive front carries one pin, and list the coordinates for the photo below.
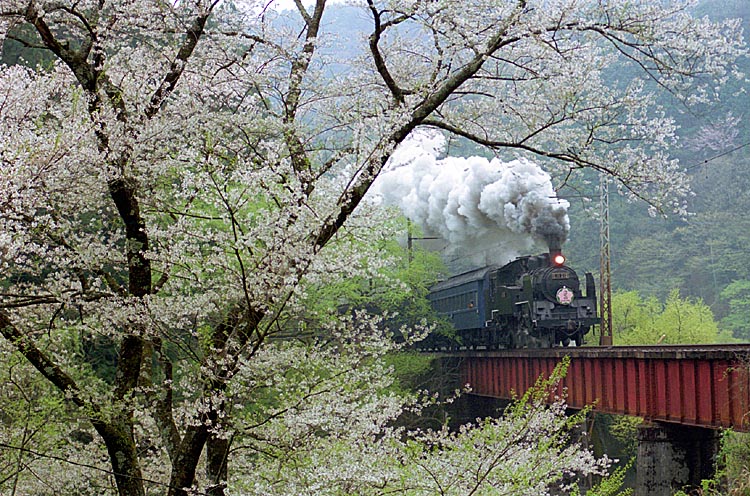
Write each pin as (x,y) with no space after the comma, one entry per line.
(564,296)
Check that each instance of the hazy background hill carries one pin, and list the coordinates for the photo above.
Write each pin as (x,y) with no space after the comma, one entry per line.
(706,254)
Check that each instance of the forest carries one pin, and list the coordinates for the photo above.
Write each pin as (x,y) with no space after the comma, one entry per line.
(701,255)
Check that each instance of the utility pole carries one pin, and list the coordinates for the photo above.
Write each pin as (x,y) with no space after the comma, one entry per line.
(605,280)
(410,240)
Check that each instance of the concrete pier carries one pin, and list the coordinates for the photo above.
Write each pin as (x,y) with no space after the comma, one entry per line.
(673,457)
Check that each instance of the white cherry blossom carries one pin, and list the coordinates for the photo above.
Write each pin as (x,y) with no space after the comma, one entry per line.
(175,176)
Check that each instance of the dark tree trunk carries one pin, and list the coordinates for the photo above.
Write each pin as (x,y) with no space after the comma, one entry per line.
(184,466)
(217,453)
(124,458)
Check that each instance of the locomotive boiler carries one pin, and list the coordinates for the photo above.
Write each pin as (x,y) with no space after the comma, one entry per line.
(531,302)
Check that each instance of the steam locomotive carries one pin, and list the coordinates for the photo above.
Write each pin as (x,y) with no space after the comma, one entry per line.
(531,302)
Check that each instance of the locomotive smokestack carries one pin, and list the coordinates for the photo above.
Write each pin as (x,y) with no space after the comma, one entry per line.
(555,248)
(556,257)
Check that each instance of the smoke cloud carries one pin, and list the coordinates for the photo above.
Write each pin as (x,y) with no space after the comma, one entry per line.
(488,210)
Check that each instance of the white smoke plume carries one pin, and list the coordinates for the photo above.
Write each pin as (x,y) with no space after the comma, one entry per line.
(489,208)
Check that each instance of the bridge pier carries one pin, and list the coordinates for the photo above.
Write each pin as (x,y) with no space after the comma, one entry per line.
(673,457)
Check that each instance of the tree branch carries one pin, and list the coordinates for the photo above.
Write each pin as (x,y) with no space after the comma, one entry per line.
(192,36)
(353,194)
(49,369)
(300,66)
(380,65)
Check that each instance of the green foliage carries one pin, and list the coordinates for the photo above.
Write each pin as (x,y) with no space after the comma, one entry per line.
(737,298)
(678,321)
(409,369)
(610,485)
(395,285)
(34,422)
(646,256)
(623,428)
(701,253)
(14,52)
(227,247)
(735,462)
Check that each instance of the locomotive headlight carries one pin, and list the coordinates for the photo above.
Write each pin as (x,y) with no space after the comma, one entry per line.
(558,259)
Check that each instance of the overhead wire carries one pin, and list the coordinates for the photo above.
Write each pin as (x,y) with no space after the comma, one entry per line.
(84,465)
(710,159)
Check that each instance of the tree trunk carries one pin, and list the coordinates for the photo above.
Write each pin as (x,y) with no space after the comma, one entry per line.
(123,456)
(184,466)
(217,453)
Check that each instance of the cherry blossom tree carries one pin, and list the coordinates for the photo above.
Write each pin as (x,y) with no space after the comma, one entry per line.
(182,171)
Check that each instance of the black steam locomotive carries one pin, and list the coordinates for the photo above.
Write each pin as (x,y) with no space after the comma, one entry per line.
(532,302)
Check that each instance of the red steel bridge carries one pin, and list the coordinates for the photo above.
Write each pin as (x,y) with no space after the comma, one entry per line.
(704,385)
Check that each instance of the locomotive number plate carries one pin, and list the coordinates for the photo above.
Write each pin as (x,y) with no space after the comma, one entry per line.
(559,275)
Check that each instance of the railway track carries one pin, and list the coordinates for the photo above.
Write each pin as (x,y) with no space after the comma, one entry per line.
(698,351)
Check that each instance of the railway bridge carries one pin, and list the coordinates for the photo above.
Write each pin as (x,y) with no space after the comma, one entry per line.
(686,394)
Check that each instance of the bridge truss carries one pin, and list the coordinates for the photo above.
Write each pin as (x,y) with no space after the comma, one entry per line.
(707,385)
